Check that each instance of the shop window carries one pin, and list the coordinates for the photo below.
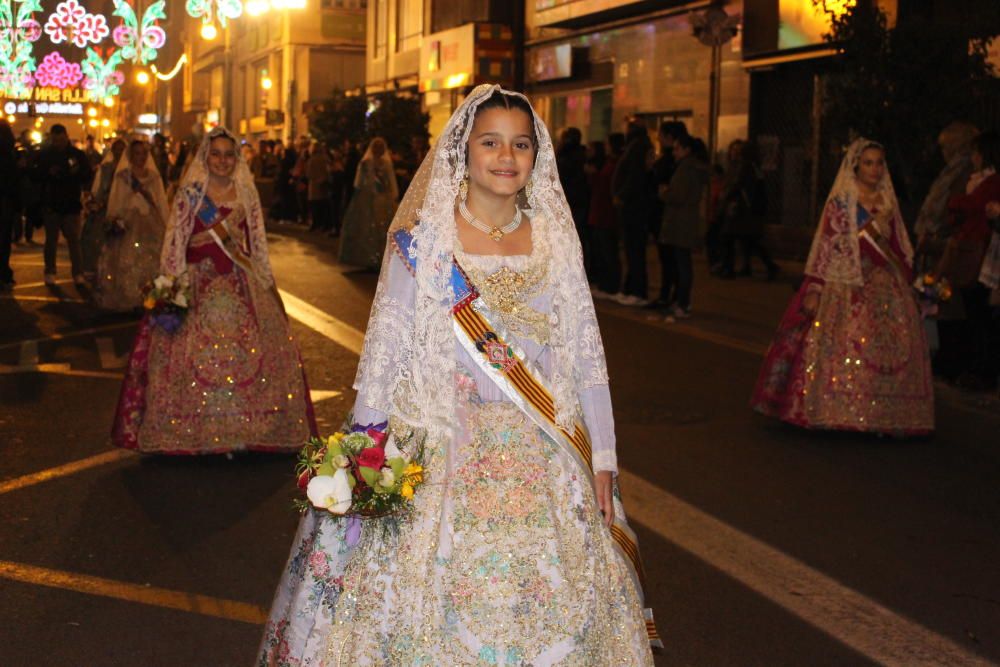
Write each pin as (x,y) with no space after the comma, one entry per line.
(409,24)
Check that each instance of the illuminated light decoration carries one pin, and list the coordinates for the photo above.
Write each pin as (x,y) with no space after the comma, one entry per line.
(70,22)
(109,102)
(36,137)
(105,123)
(224,10)
(172,73)
(257,7)
(17,32)
(266,83)
(101,77)
(92,112)
(148,119)
(56,72)
(142,77)
(11,119)
(139,40)
(92,122)
(209,32)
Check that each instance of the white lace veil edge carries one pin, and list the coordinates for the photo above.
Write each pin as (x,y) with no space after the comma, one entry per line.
(121,196)
(835,254)
(425,351)
(191,194)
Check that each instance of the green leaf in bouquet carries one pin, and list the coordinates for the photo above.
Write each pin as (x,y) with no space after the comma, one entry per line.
(326,468)
(382,490)
(397,465)
(370,476)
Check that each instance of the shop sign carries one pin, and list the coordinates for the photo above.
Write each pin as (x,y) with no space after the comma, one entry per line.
(447,59)
(49,100)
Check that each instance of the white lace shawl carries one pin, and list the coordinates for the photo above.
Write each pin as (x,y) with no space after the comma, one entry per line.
(835,255)
(122,199)
(188,200)
(409,358)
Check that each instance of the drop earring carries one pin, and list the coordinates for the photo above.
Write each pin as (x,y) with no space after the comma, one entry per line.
(527,189)
(463,187)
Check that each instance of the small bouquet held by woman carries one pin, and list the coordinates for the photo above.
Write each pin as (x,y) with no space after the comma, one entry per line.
(932,290)
(167,299)
(360,474)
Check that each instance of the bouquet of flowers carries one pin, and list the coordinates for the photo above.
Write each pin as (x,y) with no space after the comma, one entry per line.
(932,291)
(114,227)
(358,474)
(166,300)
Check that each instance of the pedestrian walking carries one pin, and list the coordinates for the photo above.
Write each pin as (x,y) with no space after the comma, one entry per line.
(632,199)
(136,217)
(286,207)
(740,213)
(850,353)
(504,487)
(62,170)
(681,230)
(604,225)
(371,209)
(318,175)
(9,204)
(230,376)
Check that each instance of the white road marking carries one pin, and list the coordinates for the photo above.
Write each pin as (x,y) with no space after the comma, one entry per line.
(339,332)
(33,297)
(849,617)
(106,350)
(64,281)
(318,395)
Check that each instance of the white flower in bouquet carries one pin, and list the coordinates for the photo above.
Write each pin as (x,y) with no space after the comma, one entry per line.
(331,493)
(340,461)
(163,282)
(181,300)
(387,478)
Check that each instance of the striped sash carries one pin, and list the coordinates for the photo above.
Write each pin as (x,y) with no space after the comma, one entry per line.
(495,352)
(214,219)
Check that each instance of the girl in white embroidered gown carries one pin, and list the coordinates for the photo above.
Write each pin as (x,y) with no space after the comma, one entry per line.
(130,260)
(515,552)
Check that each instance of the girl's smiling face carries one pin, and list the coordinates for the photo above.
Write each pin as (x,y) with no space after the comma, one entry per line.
(501,152)
(222,157)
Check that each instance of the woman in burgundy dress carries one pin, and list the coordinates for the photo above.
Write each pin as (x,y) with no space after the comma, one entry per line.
(230,377)
(850,352)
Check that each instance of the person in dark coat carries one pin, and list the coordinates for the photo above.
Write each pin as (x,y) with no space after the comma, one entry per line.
(571,158)
(740,214)
(660,175)
(286,206)
(681,231)
(9,205)
(630,188)
(63,170)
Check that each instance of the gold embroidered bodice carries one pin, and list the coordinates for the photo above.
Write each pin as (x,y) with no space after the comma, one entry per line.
(508,284)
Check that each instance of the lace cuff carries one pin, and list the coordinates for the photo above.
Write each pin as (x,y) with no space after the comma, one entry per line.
(597,415)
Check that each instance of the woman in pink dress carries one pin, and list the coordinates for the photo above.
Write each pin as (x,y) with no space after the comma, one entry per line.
(850,352)
(230,377)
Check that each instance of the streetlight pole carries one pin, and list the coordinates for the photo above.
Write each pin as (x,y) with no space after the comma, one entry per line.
(714,27)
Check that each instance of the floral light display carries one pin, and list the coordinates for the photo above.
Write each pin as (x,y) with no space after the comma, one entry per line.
(139,40)
(18,29)
(56,72)
(102,77)
(70,22)
(223,9)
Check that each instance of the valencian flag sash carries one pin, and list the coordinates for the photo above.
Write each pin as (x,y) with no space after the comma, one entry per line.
(214,218)
(482,334)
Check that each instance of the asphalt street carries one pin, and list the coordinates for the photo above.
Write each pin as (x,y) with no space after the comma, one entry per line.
(763,544)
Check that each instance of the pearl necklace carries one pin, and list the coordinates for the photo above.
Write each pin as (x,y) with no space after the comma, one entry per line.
(495,233)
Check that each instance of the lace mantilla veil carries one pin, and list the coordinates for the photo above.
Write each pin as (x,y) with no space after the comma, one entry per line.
(189,198)
(409,358)
(835,255)
(121,197)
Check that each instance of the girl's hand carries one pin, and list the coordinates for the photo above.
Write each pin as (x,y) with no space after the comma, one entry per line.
(603,489)
(810,303)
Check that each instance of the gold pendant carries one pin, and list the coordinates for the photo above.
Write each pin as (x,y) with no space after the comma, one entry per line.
(496,234)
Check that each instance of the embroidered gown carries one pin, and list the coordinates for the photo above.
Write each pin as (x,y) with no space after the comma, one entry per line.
(129,261)
(504,559)
(861,364)
(369,214)
(230,378)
